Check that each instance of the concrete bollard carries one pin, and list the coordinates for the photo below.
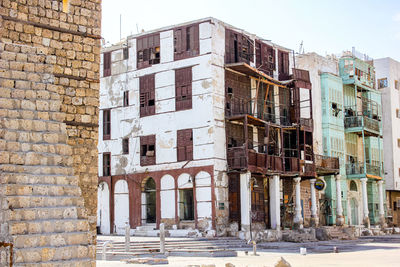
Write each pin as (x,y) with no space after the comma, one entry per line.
(162,238)
(254,248)
(104,256)
(127,237)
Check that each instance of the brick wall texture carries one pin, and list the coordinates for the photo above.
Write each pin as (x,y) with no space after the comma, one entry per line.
(49,87)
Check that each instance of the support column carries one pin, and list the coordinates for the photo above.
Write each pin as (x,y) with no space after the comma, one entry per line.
(274,202)
(381,203)
(314,215)
(297,219)
(339,208)
(245,203)
(365,202)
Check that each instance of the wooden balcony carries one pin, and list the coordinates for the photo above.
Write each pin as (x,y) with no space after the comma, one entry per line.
(326,165)
(357,124)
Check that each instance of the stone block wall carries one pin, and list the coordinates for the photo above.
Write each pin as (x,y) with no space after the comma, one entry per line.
(49,75)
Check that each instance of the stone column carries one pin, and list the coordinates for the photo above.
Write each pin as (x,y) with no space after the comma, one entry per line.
(381,203)
(365,202)
(245,203)
(339,208)
(275,203)
(314,215)
(297,219)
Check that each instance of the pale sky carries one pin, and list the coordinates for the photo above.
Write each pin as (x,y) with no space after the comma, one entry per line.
(324,26)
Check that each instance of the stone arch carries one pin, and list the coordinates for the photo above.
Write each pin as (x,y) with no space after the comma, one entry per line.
(103,208)
(204,199)
(167,197)
(121,206)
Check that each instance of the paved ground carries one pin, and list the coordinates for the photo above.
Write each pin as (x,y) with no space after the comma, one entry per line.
(365,252)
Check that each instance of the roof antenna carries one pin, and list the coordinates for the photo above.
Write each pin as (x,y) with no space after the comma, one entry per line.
(137,28)
(120,27)
(301,48)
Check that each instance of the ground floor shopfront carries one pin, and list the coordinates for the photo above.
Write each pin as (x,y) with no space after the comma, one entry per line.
(393,204)
(181,197)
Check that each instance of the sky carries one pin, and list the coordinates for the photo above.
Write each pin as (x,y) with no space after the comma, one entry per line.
(323,26)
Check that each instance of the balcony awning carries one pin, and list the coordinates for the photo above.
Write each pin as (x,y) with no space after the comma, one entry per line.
(246,69)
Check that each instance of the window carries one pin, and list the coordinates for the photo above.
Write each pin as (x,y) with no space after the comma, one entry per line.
(126,98)
(397,113)
(398,142)
(394,205)
(283,65)
(382,83)
(106,64)
(396,85)
(185,144)
(183,89)
(186,42)
(147,95)
(125,146)
(335,109)
(238,48)
(234,197)
(147,150)
(265,57)
(106,164)
(106,124)
(125,52)
(148,50)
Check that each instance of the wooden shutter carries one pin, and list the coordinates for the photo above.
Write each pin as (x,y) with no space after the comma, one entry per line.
(106,64)
(126,98)
(178,40)
(147,95)
(184,144)
(147,142)
(234,197)
(186,42)
(106,124)
(183,89)
(106,164)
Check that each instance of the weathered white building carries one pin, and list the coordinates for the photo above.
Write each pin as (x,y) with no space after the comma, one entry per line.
(388,82)
(165,138)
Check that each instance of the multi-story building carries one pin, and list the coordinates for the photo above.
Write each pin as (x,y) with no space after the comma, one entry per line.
(351,130)
(204,126)
(388,83)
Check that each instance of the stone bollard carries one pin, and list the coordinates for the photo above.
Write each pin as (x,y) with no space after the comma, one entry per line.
(104,256)
(127,237)
(162,238)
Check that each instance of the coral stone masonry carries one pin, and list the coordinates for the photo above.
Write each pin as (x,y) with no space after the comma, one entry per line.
(49,87)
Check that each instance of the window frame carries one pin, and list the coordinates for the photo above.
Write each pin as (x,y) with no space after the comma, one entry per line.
(125,53)
(184,145)
(186,41)
(147,95)
(125,146)
(126,99)
(147,142)
(107,64)
(106,124)
(148,50)
(183,88)
(108,166)
(385,83)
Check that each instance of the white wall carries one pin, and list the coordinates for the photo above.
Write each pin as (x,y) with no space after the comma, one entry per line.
(121,206)
(390,69)
(167,197)
(103,208)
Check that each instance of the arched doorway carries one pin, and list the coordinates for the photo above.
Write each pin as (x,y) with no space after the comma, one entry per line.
(354,211)
(149,201)
(103,208)
(121,206)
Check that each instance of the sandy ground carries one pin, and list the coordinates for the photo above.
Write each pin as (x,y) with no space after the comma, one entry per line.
(382,251)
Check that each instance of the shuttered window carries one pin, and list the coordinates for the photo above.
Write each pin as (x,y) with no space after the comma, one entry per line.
(106,124)
(147,150)
(106,164)
(106,64)
(147,95)
(125,52)
(265,58)
(126,98)
(185,144)
(125,146)
(186,42)
(238,47)
(148,50)
(183,89)
(283,58)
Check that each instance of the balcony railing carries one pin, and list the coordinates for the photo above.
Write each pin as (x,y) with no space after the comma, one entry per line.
(361,121)
(326,163)
(358,168)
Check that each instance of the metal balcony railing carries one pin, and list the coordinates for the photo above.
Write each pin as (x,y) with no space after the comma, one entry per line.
(358,168)
(361,121)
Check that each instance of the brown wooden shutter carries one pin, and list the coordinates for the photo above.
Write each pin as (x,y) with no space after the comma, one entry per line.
(234,197)
(183,88)
(147,142)
(106,164)
(178,40)
(106,124)
(107,64)
(147,95)
(184,144)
